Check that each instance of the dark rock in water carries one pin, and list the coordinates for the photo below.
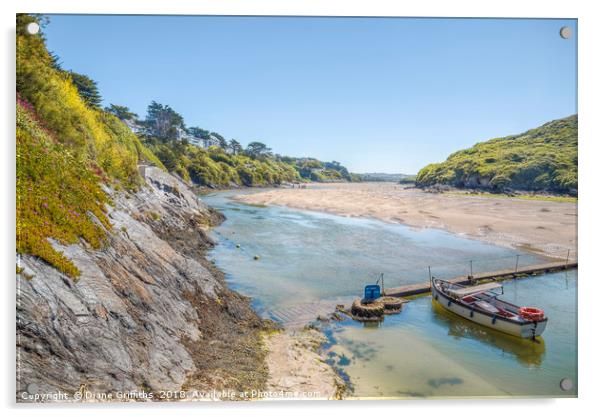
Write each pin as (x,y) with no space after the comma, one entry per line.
(392,305)
(373,311)
(148,311)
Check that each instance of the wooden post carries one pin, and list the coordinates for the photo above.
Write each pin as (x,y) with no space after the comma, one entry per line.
(516,267)
(430,276)
(568,252)
(471,269)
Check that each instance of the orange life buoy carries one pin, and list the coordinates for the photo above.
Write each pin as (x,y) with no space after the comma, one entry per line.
(531,313)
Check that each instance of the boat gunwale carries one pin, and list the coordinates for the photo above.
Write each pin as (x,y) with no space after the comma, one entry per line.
(481,311)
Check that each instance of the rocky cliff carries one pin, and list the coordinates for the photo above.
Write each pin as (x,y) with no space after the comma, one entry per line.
(148,312)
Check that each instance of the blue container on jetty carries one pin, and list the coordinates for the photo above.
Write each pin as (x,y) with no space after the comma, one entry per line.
(371,293)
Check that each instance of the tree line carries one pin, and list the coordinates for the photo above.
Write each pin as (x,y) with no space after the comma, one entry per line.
(163,130)
(164,123)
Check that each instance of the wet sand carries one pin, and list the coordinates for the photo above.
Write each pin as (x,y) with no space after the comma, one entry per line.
(544,227)
(296,368)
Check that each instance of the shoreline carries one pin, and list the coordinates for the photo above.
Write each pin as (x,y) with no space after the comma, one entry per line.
(219,340)
(294,361)
(545,228)
(297,369)
(154,262)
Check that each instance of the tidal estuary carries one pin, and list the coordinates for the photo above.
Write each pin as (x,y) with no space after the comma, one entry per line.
(307,258)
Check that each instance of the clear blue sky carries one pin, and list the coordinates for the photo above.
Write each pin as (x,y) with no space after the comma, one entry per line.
(380,94)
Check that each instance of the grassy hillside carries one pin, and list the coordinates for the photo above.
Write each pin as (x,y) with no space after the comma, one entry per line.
(68,147)
(226,163)
(216,168)
(541,159)
(55,194)
(65,150)
(312,169)
(90,133)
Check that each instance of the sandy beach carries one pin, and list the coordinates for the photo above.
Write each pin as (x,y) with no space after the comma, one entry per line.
(296,367)
(545,227)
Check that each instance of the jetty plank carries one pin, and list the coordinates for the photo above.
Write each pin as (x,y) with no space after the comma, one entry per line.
(504,274)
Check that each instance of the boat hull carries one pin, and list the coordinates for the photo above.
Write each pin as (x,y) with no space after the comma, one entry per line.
(501,324)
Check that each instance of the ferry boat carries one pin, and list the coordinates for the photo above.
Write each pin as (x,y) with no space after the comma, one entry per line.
(480,304)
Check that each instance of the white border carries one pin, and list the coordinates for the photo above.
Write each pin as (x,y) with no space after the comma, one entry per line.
(589,166)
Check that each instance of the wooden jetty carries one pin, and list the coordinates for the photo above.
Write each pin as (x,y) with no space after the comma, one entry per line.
(504,274)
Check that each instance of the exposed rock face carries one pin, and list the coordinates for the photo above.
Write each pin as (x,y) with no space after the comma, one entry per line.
(147,313)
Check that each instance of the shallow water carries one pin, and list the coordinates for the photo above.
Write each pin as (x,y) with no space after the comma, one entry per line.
(307,257)
(425,351)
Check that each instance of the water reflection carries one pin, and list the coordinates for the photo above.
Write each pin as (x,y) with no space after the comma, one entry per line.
(308,258)
(371,324)
(526,351)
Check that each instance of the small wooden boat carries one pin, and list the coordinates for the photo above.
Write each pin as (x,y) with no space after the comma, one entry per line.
(480,304)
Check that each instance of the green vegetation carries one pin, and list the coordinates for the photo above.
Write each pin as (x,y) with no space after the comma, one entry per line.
(408,179)
(55,195)
(536,197)
(541,159)
(87,89)
(163,121)
(383,177)
(314,170)
(214,167)
(222,163)
(121,112)
(66,147)
(94,135)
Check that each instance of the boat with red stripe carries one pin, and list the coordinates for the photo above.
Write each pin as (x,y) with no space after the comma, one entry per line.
(480,304)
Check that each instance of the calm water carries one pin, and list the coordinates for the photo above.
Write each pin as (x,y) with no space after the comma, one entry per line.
(307,257)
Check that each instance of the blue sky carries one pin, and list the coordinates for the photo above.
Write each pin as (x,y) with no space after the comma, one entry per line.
(376,94)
